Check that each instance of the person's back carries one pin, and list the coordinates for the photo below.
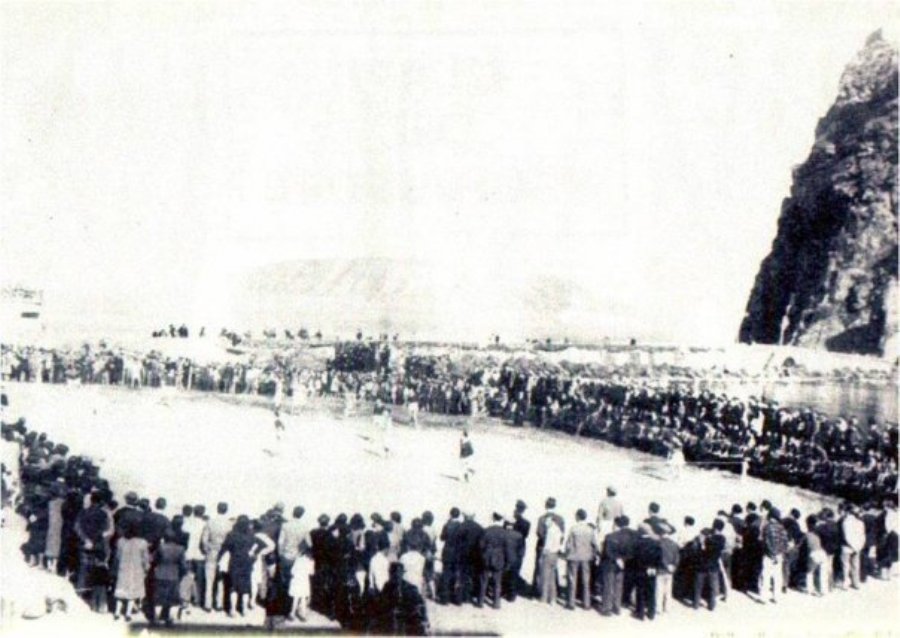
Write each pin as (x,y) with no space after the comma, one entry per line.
(154,526)
(450,538)
(854,532)
(217,529)
(713,546)
(379,571)
(581,544)
(400,609)
(647,553)
(414,569)
(293,533)
(169,559)
(669,554)
(830,534)
(193,527)
(493,547)
(468,536)
(93,523)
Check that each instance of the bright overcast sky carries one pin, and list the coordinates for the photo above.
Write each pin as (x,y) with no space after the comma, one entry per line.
(153,151)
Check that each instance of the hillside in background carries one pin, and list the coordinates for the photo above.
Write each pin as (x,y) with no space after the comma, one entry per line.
(830,280)
(424,300)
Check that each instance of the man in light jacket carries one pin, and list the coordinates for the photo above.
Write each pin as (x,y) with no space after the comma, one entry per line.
(853,533)
(581,549)
(211,541)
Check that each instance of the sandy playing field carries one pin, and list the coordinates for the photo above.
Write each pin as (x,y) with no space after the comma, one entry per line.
(196,448)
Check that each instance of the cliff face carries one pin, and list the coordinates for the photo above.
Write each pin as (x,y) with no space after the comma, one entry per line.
(830,280)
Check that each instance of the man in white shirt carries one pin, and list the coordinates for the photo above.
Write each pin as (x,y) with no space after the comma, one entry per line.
(854,533)
(609,510)
(553,545)
(380,567)
(193,525)
(292,536)
(211,540)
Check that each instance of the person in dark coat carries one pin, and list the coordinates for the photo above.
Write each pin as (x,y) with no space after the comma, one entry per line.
(169,566)
(647,562)
(324,556)
(399,609)
(154,524)
(276,577)
(92,528)
(240,545)
(129,515)
(830,534)
(618,547)
(468,539)
(449,589)
(513,583)
(177,527)
(493,554)
(753,550)
(706,578)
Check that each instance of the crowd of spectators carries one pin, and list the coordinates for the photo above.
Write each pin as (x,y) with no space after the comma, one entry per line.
(802,447)
(373,574)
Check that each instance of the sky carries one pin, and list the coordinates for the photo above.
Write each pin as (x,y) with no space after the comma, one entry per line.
(155,152)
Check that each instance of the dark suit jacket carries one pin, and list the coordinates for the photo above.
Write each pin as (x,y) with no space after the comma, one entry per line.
(647,554)
(618,545)
(467,543)
(450,553)
(493,548)
(515,548)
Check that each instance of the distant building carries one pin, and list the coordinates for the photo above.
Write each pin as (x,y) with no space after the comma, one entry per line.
(22,319)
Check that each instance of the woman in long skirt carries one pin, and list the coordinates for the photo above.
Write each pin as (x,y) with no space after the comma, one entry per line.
(54,525)
(169,568)
(301,572)
(132,564)
(239,544)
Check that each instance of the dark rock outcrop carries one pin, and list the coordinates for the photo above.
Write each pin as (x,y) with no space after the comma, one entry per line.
(830,280)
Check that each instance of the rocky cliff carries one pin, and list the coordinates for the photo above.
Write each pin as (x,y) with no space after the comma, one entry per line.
(830,280)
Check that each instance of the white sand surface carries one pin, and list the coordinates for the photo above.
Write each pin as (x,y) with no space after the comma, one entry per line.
(198,448)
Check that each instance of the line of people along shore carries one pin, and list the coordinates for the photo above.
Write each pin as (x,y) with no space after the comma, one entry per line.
(373,573)
(801,447)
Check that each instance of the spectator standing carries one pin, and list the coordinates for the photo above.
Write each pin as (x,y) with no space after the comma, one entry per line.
(132,565)
(493,552)
(706,577)
(580,550)
(776,543)
(213,537)
(853,535)
(169,567)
